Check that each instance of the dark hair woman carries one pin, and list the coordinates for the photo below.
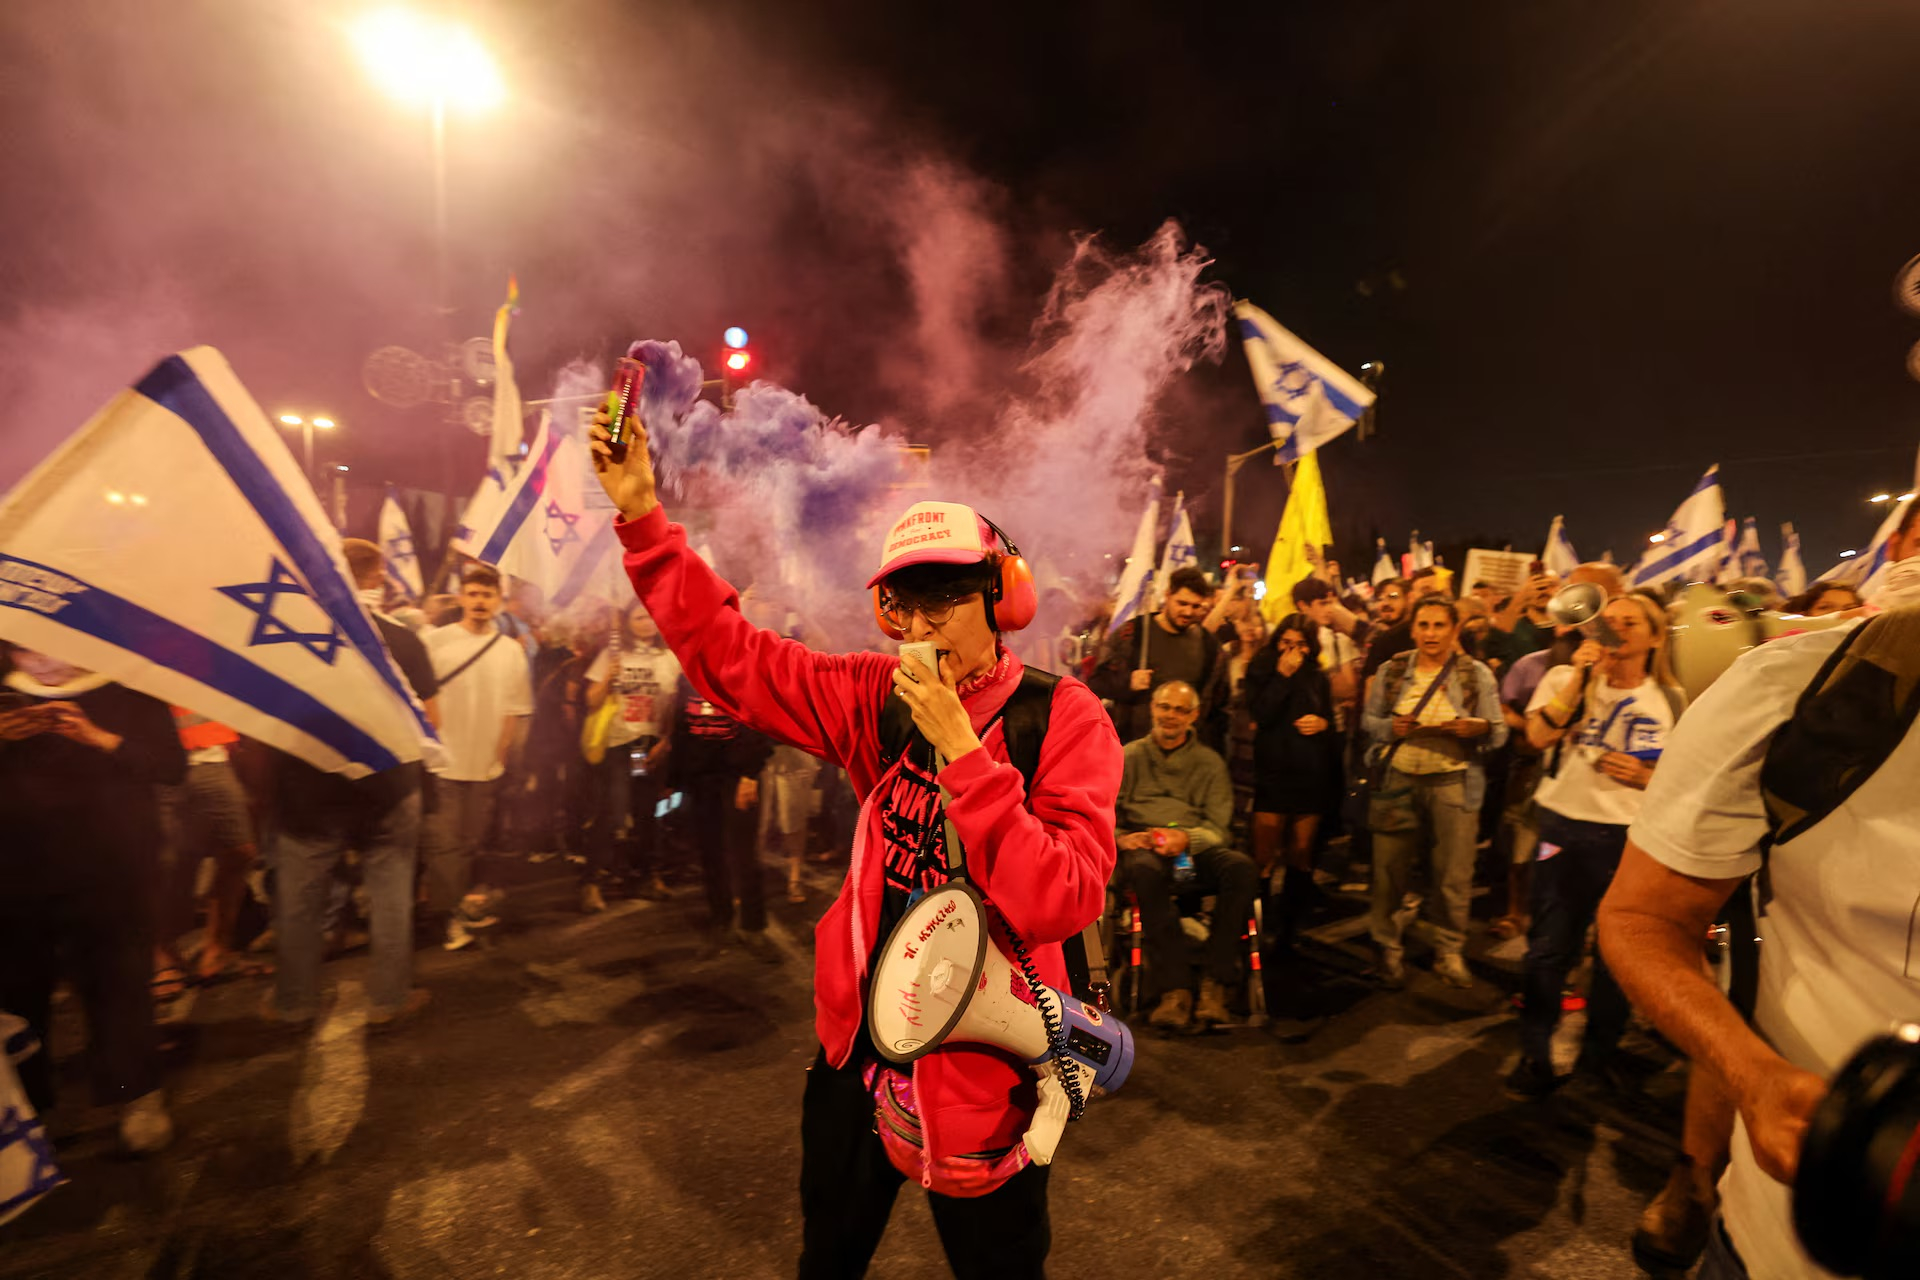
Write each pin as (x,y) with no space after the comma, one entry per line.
(1295,760)
(1823,598)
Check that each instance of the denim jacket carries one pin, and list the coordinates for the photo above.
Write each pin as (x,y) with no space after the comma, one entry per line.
(1378,719)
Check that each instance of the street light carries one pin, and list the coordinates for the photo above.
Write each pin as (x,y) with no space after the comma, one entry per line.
(431,62)
(1656,538)
(1881,497)
(307,427)
(1235,461)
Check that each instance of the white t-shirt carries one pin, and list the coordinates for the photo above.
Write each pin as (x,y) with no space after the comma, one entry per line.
(1416,755)
(1636,721)
(475,705)
(644,683)
(1837,967)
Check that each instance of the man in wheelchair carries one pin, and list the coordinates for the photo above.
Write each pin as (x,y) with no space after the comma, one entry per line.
(1173,815)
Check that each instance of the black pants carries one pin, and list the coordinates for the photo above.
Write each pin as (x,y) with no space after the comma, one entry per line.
(617,792)
(1229,876)
(729,858)
(102,938)
(1571,874)
(847,1186)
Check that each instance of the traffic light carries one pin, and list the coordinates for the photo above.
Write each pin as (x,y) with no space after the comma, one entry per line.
(736,364)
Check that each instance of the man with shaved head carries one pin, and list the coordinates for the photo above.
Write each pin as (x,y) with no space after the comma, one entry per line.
(1175,799)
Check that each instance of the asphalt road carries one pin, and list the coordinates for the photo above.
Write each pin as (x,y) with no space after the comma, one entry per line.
(595,1097)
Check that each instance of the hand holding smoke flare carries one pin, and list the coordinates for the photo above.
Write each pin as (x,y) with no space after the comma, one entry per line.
(628,482)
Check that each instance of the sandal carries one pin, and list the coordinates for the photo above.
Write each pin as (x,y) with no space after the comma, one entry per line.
(169,984)
(1508,927)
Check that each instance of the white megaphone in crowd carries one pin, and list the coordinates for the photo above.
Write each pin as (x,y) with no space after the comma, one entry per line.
(1709,629)
(1582,606)
(941,978)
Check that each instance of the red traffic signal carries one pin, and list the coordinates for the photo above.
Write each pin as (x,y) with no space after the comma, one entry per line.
(738,361)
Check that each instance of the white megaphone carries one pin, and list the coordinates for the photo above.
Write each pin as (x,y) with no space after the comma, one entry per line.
(941,978)
(1583,606)
(1709,630)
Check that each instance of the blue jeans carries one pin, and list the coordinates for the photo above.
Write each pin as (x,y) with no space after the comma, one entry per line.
(388,845)
(1576,862)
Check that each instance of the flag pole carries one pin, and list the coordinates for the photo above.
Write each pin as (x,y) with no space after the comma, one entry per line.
(1235,461)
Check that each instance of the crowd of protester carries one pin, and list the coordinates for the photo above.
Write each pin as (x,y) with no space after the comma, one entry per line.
(1406,741)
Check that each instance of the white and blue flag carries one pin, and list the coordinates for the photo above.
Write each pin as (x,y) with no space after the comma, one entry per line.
(1693,544)
(1747,556)
(1181,550)
(173,545)
(1384,569)
(1792,578)
(1867,571)
(1309,399)
(396,544)
(551,524)
(1558,555)
(1136,579)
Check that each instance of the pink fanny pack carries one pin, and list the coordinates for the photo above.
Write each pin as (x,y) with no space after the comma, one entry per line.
(896,1119)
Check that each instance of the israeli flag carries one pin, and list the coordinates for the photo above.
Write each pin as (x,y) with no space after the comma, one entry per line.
(1383,566)
(1181,550)
(1558,555)
(396,544)
(1747,554)
(1136,579)
(1867,571)
(1792,578)
(173,545)
(1693,544)
(1308,398)
(551,525)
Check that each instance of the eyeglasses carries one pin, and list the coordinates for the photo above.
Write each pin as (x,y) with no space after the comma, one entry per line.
(898,610)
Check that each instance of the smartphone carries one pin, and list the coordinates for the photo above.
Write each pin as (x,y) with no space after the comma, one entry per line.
(628,377)
(925,651)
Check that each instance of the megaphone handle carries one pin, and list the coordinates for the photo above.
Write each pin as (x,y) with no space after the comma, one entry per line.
(956,852)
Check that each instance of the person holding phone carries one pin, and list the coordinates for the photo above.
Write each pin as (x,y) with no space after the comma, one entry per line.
(1432,715)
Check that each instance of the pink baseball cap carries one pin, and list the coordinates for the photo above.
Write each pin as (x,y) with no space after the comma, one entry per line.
(935,533)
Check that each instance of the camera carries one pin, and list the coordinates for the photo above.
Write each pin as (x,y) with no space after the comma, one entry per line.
(1856,1197)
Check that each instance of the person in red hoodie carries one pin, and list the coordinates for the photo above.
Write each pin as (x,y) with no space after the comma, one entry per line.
(1040,854)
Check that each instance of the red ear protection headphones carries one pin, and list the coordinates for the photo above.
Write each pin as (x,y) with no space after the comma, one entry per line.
(1012,599)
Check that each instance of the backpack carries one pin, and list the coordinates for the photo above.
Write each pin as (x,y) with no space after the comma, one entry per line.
(1023,722)
(1852,716)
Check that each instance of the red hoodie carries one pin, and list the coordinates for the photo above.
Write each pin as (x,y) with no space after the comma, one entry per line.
(1043,862)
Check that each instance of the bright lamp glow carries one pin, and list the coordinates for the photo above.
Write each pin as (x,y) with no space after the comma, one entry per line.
(291,419)
(421,60)
(323,423)
(1907,497)
(1848,555)
(738,360)
(736,337)
(1881,497)
(1656,537)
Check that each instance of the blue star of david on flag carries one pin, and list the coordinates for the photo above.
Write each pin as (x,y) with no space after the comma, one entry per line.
(400,548)
(261,597)
(560,518)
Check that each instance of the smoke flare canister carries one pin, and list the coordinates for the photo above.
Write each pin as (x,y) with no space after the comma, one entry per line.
(628,377)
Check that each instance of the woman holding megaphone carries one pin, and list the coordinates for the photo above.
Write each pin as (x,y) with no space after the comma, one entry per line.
(1018,770)
(1603,719)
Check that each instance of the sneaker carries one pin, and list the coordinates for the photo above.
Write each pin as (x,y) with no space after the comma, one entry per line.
(145,1126)
(1392,968)
(1531,1081)
(406,1011)
(1212,1008)
(1673,1231)
(592,901)
(458,936)
(1452,970)
(1174,1011)
(477,908)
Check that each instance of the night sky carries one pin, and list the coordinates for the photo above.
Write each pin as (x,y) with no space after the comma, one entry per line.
(1598,247)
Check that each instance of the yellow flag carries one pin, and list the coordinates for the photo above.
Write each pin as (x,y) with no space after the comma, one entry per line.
(1304,524)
